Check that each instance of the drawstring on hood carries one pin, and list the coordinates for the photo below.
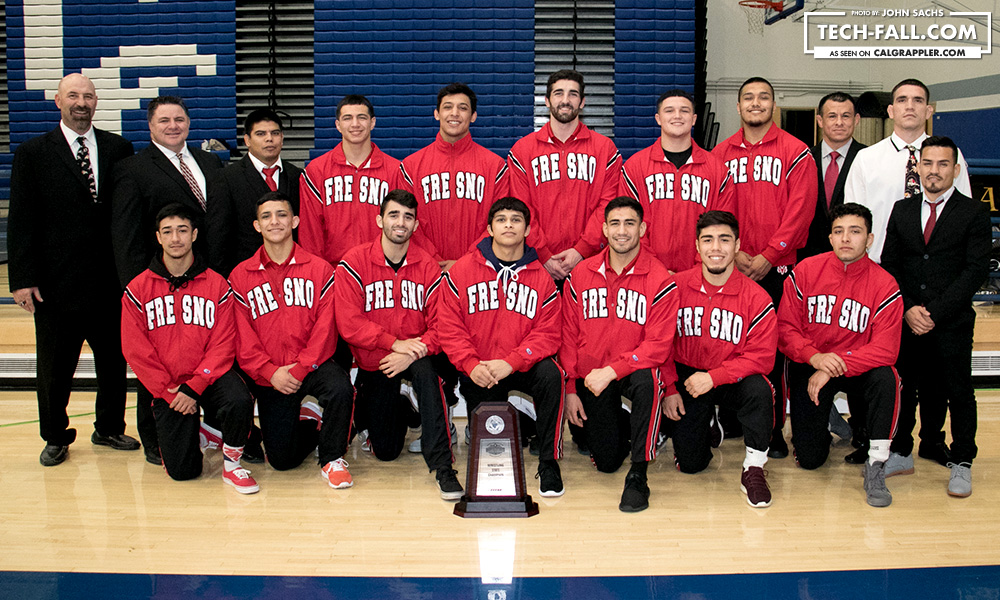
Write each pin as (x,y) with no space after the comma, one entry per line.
(505,272)
(179,282)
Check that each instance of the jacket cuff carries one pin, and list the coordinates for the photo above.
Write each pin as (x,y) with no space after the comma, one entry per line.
(772,255)
(190,392)
(385,341)
(719,376)
(299,371)
(267,371)
(515,360)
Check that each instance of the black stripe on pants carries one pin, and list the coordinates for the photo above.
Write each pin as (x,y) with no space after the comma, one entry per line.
(751,398)
(227,401)
(287,440)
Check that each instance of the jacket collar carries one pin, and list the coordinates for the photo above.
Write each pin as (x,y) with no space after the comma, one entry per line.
(462,145)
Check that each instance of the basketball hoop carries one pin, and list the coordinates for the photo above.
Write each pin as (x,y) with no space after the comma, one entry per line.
(756,11)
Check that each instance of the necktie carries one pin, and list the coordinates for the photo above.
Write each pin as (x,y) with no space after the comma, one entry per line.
(269,178)
(830,179)
(912,179)
(931,220)
(83,159)
(192,183)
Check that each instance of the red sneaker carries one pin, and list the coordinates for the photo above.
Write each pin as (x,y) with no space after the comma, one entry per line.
(208,439)
(240,479)
(753,482)
(336,474)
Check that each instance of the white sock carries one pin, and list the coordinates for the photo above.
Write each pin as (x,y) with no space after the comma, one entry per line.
(754,458)
(231,457)
(878,451)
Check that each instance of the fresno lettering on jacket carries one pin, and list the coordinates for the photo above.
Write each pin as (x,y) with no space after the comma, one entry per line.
(341,188)
(467,186)
(660,186)
(195,310)
(519,298)
(853,316)
(295,291)
(579,165)
(723,325)
(630,305)
(379,295)
(765,168)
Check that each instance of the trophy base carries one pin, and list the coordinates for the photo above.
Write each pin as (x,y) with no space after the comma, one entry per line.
(492,509)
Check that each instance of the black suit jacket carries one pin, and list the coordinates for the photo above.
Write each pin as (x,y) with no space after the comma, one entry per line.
(819,230)
(944,274)
(59,239)
(232,208)
(144,184)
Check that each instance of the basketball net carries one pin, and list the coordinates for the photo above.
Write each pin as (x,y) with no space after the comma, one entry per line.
(756,11)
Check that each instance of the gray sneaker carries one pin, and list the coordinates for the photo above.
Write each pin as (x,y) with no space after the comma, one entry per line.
(899,464)
(960,483)
(875,490)
(839,426)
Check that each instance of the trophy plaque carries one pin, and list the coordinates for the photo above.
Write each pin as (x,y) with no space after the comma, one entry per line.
(494,485)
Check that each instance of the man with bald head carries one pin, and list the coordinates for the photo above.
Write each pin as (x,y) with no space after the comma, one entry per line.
(60,207)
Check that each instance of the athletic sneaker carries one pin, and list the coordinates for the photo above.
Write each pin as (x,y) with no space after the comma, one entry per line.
(448,483)
(960,482)
(839,425)
(899,464)
(208,439)
(240,479)
(336,474)
(753,482)
(550,483)
(875,491)
(366,445)
(779,448)
(310,411)
(415,446)
(635,496)
(715,433)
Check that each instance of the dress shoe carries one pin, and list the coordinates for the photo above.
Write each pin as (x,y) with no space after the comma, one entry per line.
(118,442)
(153,456)
(779,448)
(53,455)
(937,452)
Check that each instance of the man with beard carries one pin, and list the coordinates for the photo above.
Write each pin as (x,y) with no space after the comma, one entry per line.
(619,311)
(565,173)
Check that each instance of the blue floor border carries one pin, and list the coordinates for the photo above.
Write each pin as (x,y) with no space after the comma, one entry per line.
(945,583)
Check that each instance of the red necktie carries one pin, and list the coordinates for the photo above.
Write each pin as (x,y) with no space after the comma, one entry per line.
(191,181)
(931,220)
(830,179)
(269,178)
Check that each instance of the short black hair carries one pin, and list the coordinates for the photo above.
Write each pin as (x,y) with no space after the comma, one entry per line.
(674,93)
(457,88)
(274,197)
(941,141)
(718,217)
(176,209)
(401,197)
(355,100)
(261,114)
(837,97)
(916,82)
(509,203)
(851,209)
(159,101)
(754,80)
(562,74)
(624,202)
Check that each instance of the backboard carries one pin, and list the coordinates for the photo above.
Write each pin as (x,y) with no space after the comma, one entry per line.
(773,15)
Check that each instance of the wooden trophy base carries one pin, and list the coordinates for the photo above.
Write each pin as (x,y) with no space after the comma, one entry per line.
(490,509)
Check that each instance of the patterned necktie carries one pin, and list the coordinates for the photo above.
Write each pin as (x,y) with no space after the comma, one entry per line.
(830,179)
(912,179)
(269,178)
(191,181)
(83,159)
(931,220)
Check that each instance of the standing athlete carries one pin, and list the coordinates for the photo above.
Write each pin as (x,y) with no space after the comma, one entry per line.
(287,336)
(179,336)
(619,312)
(565,173)
(385,297)
(723,348)
(775,179)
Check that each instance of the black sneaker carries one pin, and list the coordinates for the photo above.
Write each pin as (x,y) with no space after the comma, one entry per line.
(534,446)
(448,483)
(635,497)
(550,483)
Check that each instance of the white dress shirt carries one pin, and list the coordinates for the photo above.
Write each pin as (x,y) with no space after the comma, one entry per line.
(257,164)
(190,162)
(877,180)
(74,146)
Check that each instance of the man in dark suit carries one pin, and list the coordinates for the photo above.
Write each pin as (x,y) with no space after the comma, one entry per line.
(937,247)
(59,208)
(232,198)
(836,116)
(162,173)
